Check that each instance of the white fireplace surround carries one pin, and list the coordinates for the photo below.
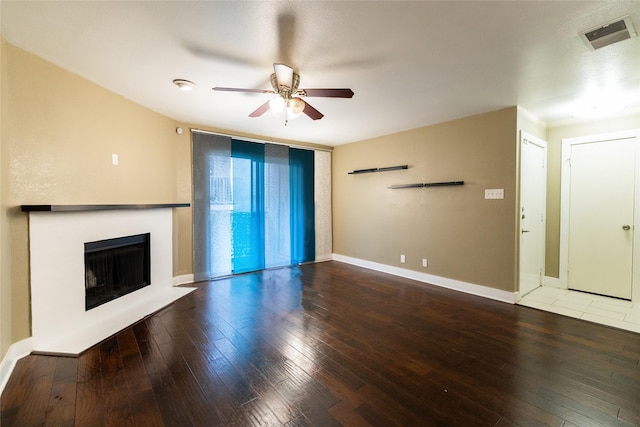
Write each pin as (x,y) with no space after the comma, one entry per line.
(60,323)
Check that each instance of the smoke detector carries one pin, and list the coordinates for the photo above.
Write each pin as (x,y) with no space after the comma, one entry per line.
(609,33)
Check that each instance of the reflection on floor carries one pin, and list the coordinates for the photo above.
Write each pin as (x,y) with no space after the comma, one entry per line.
(594,308)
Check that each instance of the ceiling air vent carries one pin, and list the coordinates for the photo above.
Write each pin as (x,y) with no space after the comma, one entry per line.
(609,33)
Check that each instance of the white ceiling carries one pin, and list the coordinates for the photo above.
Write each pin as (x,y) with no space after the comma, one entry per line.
(410,64)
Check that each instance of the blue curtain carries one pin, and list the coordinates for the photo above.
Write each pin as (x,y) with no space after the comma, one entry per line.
(247,218)
(303,237)
(253,206)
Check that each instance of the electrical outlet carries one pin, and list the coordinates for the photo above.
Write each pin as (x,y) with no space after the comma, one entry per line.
(402,259)
(114,159)
(424,262)
(494,193)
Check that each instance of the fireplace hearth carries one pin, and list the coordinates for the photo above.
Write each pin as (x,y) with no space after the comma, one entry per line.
(115,267)
(61,324)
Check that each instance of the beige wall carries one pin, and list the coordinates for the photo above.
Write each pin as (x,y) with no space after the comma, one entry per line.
(5,254)
(463,236)
(182,225)
(59,132)
(555,135)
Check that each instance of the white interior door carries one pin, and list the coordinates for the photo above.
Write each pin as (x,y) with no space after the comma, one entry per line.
(533,190)
(601,216)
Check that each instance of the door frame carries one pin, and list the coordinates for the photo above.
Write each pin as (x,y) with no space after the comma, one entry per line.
(524,136)
(565,189)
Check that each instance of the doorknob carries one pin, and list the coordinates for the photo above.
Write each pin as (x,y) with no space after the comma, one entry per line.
(626,227)
(526,231)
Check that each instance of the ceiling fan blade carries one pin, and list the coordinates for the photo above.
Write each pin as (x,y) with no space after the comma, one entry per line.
(234,89)
(284,74)
(260,110)
(312,112)
(326,93)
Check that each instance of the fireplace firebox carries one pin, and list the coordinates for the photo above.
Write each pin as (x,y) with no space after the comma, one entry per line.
(116,267)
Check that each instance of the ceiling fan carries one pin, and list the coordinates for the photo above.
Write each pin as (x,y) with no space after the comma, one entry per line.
(285,86)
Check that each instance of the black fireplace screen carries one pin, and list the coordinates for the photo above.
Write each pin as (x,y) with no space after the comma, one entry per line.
(115,267)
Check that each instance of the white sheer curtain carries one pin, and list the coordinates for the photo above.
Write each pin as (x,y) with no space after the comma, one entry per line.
(212,204)
(277,232)
(322,196)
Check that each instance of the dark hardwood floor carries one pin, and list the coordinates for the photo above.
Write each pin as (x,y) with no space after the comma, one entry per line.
(332,344)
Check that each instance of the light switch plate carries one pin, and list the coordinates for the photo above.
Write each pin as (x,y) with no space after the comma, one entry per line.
(494,193)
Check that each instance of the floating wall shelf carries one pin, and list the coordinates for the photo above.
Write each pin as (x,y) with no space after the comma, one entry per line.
(427,184)
(80,208)
(387,169)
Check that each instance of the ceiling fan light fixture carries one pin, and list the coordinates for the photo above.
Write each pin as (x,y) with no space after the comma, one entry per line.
(276,104)
(295,107)
(184,85)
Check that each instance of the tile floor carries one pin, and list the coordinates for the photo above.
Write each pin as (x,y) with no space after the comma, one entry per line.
(594,308)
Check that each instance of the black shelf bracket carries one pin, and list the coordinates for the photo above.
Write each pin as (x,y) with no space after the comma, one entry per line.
(387,169)
(427,184)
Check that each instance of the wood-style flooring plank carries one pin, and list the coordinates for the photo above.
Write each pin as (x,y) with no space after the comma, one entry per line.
(89,408)
(115,393)
(165,392)
(15,390)
(331,344)
(62,403)
(33,410)
(145,410)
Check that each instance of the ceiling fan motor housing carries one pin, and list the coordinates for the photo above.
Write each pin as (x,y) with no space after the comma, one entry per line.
(284,90)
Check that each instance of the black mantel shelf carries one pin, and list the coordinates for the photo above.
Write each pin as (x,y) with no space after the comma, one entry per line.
(81,208)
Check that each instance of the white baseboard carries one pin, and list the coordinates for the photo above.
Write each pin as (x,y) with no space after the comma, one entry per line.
(183,279)
(444,282)
(16,352)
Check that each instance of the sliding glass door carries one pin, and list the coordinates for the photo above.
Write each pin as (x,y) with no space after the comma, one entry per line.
(253,206)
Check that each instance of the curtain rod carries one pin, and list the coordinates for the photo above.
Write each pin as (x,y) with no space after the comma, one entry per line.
(261,141)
